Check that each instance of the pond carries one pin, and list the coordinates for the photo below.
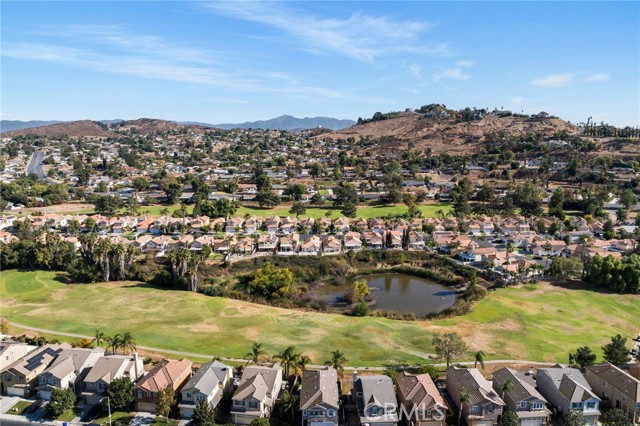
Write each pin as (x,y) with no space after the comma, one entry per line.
(399,293)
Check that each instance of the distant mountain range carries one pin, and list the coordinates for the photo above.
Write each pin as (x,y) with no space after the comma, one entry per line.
(9,125)
(284,122)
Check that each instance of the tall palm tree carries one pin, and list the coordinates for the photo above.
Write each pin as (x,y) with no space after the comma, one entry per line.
(338,361)
(103,251)
(302,363)
(128,342)
(119,252)
(288,358)
(114,342)
(464,400)
(479,360)
(100,338)
(506,387)
(257,354)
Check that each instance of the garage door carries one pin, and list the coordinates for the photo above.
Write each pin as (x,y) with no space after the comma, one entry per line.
(146,406)
(531,422)
(15,391)
(483,423)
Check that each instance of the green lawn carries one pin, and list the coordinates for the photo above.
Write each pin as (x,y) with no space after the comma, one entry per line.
(366,212)
(163,421)
(117,417)
(541,324)
(20,407)
(67,416)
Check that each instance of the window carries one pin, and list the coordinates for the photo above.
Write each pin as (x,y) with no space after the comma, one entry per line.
(522,404)
(374,410)
(253,404)
(148,394)
(9,378)
(538,405)
(238,403)
(101,386)
(188,394)
(331,413)
(591,405)
(476,409)
(490,408)
(576,405)
(304,412)
(139,394)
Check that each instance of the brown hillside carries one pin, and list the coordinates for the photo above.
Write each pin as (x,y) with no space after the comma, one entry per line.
(447,134)
(149,125)
(85,128)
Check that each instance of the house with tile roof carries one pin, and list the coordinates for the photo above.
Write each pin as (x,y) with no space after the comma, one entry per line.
(256,394)
(485,405)
(319,397)
(168,373)
(209,384)
(422,403)
(524,399)
(568,390)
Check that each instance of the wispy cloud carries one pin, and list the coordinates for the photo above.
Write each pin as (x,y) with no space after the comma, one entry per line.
(453,73)
(359,36)
(555,80)
(597,77)
(516,100)
(416,71)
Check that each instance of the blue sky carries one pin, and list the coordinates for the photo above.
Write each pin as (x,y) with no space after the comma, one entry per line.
(239,61)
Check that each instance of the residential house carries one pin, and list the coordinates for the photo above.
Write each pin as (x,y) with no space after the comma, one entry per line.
(331,244)
(289,243)
(341,225)
(244,246)
(256,394)
(617,387)
(251,225)
(524,399)
(312,245)
(373,240)
(416,240)
(485,405)
(272,225)
(375,400)
(209,384)
(233,225)
(105,370)
(20,378)
(352,241)
(394,239)
(319,397)
(267,242)
(68,370)
(423,404)
(11,351)
(567,390)
(167,373)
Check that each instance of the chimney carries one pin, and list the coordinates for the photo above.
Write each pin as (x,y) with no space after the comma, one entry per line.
(135,365)
(355,377)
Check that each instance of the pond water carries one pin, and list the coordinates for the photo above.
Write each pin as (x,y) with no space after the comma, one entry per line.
(400,293)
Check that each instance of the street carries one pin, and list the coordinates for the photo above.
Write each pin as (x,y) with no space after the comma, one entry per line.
(35,165)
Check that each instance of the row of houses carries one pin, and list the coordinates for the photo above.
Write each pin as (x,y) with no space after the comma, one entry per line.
(375,399)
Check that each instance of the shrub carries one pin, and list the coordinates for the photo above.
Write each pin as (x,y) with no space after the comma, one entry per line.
(360,310)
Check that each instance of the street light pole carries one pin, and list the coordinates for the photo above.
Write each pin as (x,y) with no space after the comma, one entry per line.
(108,407)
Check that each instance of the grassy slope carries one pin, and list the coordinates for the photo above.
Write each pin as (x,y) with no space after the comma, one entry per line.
(542,324)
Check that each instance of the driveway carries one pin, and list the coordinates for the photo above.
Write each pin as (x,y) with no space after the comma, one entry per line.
(6,402)
(142,419)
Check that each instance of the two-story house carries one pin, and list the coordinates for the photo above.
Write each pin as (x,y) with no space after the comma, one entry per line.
(375,400)
(21,377)
(523,398)
(319,397)
(422,402)
(11,351)
(567,390)
(105,370)
(485,405)
(256,394)
(616,385)
(209,384)
(68,370)
(168,373)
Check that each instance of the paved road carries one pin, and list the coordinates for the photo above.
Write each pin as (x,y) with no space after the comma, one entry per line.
(241,360)
(35,165)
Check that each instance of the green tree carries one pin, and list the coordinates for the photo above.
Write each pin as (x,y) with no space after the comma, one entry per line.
(262,421)
(615,417)
(465,399)
(257,354)
(338,361)
(107,205)
(574,418)
(203,415)
(448,346)
(288,358)
(479,360)
(582,357)
(120,393)
(290,403)
(509,418)
(346,199)
(298,209)
(172,192)
(628,199)
(507,386)
(271,282)
(267,199)
(317,199)
(128,342)
(616,352)
(359,291)
(100,338)
(61,401)
(166,399)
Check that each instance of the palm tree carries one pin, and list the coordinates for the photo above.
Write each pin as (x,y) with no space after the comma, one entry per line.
(338,361)
(302,363)
(119,252)
(506,387)
(257,354)
(288,358)
(100,338)
(103,251)
(128,342)
(114,342)
(464,399)
(479,360)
